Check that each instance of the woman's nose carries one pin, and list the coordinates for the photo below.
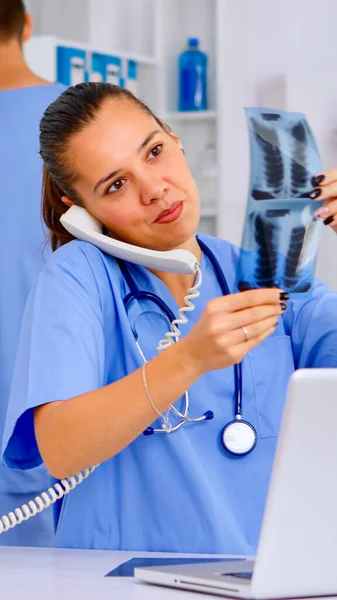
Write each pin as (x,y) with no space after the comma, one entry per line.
(153,191)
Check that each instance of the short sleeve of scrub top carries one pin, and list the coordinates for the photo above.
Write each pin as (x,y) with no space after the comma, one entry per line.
(312,325)
(62,347)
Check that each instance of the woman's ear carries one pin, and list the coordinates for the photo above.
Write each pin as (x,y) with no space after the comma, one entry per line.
(66,201)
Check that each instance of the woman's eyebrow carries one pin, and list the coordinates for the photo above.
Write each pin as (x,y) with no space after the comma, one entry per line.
(147,140)
(114,173)
(106,178)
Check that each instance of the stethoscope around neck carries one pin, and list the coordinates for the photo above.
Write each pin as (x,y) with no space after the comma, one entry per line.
(238,437)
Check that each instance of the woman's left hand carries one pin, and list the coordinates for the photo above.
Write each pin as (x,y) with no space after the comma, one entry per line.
(325,188)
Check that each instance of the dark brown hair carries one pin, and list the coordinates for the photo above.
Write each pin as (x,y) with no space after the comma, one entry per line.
(12,19)
(69,114)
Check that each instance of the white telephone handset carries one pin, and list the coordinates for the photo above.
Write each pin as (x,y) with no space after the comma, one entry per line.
(84,227)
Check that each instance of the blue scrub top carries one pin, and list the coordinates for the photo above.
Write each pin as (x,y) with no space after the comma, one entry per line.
(180,492)
(21,250)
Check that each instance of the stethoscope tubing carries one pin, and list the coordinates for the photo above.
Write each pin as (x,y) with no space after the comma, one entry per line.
(138,295)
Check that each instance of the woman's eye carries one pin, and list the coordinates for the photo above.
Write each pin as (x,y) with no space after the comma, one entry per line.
(116,186)
(156,150)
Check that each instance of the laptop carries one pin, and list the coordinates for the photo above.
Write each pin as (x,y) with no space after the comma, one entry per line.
(297,550)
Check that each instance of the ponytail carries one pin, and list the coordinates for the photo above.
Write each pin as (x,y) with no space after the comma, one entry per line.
(52,209)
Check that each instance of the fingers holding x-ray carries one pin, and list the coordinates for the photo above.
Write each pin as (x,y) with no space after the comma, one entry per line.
(232,325)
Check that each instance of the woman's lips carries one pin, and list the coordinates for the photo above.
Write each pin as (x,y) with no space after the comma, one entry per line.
(167,216)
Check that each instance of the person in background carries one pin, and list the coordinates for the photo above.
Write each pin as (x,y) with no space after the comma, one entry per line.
(23,99)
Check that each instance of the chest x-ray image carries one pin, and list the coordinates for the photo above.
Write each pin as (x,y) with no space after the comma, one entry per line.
(281,233)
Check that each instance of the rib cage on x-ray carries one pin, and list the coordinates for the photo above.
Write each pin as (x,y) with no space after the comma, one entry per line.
(280,228)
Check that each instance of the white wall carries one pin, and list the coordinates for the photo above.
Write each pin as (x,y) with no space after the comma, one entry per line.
(263,39)
(260,39)
(293,35)
(236,89)
(97,22)
(33,7)
(137,19)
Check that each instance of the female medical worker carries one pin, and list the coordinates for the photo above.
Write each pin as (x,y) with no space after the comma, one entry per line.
(80,395)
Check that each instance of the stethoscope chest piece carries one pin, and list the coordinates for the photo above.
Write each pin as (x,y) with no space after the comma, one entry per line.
(238,437)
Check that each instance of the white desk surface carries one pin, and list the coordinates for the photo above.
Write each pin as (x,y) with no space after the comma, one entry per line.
(57,574)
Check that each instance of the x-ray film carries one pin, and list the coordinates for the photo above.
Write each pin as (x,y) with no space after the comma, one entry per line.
(281,233)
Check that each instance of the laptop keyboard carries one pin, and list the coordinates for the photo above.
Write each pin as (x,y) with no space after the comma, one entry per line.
(242,575)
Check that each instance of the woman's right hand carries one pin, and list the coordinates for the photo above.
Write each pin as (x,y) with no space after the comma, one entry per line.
(219,338)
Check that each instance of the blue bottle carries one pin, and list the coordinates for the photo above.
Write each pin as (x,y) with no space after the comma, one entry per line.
(193,77)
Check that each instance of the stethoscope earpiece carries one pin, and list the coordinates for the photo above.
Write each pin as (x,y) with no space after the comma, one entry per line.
(209,415)
(148,431)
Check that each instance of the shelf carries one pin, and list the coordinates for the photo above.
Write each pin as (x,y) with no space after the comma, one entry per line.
(56,41)
(194,115)
(139,58)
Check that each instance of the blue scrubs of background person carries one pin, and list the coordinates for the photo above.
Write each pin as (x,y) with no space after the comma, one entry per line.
(23,99)
(78,362)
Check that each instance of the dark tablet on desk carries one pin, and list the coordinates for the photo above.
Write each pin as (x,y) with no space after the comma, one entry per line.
(126,569)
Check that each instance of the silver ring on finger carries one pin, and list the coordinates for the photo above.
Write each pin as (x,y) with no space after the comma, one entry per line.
(246,334)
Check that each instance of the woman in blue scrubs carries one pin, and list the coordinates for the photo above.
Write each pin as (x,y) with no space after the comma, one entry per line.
(79,397)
